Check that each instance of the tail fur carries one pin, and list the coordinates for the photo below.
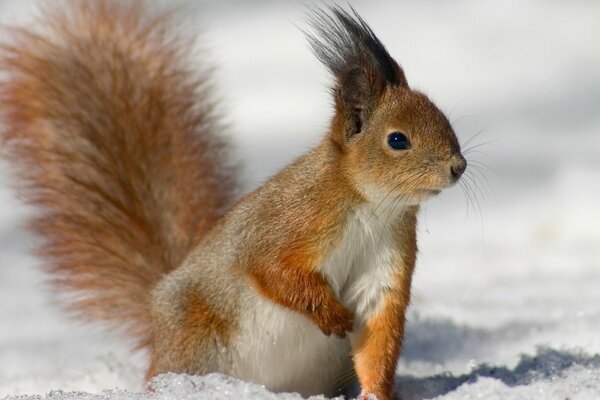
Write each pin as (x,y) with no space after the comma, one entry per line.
(113,137)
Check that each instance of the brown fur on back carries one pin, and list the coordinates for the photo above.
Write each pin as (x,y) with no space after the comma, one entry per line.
(114,138)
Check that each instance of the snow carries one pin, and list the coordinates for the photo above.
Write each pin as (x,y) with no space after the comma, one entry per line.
(506,300)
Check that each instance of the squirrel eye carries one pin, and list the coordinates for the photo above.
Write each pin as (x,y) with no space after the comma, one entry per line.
(398,141)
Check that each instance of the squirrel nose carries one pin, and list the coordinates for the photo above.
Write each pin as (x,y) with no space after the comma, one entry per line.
(458,167)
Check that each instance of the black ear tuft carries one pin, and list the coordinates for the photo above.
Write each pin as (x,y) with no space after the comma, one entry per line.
(359,62)
(343,41)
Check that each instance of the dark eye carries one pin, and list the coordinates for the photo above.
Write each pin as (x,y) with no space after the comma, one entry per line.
(398,141)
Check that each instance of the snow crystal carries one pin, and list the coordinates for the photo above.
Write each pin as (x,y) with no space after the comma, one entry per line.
(179,387)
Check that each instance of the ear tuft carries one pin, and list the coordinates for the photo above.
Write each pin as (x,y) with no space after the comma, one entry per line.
(361,65)
(343,41)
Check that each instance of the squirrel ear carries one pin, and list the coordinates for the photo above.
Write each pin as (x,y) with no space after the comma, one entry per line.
(356,94)
(361,65)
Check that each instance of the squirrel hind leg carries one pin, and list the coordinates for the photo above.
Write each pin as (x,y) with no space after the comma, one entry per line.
(190,335)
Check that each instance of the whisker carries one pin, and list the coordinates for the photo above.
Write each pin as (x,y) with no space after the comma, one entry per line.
(408,190)
(470,175)
(474,136)
(416,183)
(477,172)
(468,180)
(455,120)
(482,164)
(401,197)
(406,179)
(478,145)
(461,185)
(386,196)
(471,152)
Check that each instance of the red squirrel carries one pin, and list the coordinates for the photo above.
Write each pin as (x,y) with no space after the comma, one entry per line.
(114,137)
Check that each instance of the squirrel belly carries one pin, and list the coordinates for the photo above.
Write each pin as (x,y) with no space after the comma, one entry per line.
(268,344)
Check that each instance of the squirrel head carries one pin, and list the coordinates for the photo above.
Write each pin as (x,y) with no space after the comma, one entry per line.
(392,139)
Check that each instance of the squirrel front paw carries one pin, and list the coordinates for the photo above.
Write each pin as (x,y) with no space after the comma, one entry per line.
(332,317)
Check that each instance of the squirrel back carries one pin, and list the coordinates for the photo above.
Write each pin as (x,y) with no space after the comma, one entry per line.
(114,138)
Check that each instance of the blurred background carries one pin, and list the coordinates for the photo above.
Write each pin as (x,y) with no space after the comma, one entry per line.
(509,269)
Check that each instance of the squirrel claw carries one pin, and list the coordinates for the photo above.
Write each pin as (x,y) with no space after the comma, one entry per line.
(335,319)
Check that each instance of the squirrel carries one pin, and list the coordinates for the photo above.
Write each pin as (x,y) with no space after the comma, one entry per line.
(115,137)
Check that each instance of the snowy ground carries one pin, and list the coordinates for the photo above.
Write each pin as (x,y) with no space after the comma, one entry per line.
(506,299)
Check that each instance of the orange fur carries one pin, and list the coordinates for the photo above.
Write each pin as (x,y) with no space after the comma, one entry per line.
(199,314)
(311,295)
(306,229)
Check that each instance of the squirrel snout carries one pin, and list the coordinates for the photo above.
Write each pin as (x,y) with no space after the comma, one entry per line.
(458,167)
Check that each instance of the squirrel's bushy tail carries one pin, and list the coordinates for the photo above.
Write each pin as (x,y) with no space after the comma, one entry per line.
(113,137)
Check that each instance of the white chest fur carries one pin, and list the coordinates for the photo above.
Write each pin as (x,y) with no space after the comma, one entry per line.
(361,268)
(286,351)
